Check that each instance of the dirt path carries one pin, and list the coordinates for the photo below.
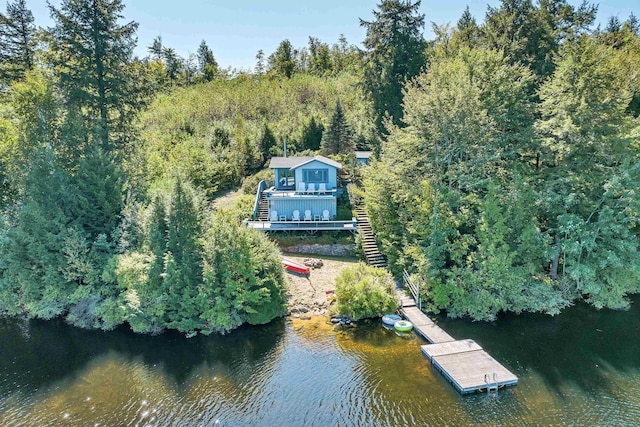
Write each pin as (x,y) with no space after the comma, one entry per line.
(308,296)
(226,199)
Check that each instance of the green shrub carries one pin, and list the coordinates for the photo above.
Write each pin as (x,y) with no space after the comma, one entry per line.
(365,291)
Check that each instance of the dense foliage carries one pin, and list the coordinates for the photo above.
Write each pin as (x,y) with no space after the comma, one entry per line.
(364,292)
(508,189)
(80,239)
(507,175)
(218,133)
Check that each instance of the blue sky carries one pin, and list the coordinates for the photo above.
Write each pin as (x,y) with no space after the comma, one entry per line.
(236,29)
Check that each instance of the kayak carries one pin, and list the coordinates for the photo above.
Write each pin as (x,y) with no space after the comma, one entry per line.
(295,267)
(390,319)
(403,326)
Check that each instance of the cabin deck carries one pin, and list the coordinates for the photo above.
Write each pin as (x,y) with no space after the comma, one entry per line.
(303,225)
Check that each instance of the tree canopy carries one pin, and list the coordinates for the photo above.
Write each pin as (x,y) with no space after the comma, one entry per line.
(505,178)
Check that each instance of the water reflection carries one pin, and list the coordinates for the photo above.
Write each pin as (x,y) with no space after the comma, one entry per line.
(581,368)
(36,354)
(577,347)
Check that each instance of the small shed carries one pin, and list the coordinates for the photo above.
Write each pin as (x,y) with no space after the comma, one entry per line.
(362,157)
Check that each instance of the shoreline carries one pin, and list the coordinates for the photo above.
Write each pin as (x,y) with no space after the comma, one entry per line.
(307,297)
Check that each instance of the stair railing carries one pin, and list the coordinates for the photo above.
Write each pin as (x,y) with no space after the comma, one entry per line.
(261,187)
(415,289)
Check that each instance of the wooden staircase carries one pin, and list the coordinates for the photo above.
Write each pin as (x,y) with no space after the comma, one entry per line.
(263,208)
(372,254)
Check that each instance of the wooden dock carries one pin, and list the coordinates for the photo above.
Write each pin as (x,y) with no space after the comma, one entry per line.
(463,362)
(425,326)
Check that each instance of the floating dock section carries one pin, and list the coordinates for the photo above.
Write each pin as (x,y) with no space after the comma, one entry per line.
(463,362)
(468,367)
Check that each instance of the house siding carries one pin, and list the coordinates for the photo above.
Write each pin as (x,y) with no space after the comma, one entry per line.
(315,164)
(316,204)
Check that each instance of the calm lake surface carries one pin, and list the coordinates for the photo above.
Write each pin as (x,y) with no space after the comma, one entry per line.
(580,368)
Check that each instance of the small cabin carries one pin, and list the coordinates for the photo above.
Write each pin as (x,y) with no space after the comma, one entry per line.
(294,172)
(305,188)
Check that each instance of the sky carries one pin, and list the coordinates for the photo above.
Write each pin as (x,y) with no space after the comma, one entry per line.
(236,29)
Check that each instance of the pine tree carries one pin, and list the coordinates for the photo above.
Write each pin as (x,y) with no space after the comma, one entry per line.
(34,262)
(312,132)
(155,48)
(319,57)
(17,41)
(183,260)
(282,61)
(99,184)
(394,55)
(260,63)
(92,51)
(157,241)
(467,29)
(173,63)
(267,142)
(338,138)
(207,65)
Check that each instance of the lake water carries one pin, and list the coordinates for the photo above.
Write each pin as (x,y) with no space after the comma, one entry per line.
(580,368)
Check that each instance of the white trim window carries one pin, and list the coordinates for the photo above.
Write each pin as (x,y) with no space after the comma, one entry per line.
(316,175)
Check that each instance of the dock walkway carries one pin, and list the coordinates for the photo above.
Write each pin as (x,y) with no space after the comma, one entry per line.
(463,362)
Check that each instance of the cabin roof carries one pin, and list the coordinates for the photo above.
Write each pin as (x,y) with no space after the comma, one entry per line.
(363,154)
(297,161)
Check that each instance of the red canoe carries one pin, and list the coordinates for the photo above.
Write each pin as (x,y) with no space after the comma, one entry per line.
(295,267)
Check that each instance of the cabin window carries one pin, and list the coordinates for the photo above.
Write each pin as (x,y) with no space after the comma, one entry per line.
(284,178)
(316,175)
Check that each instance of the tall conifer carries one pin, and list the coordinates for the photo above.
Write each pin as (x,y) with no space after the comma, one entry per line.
(17,41)
(394,54)
(92,50)
(338,138)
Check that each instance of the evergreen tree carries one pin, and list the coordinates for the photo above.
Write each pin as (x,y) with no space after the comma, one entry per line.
(157,242)
(338,138)
(34,263)
(207,65)
(345,57)
(267,142)
(319,57)
(99,184)
(394,54)
(17,41)
(532,35)
(92,51)
(468,31)
(282,62)
(155,49)
(518,29)
(312,133)
(183,260)
(260,63)
(173,63)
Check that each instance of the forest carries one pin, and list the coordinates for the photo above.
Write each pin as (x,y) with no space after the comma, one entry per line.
(506,174)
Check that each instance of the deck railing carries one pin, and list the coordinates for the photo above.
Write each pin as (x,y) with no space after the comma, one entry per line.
(304,225)
(295,193)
